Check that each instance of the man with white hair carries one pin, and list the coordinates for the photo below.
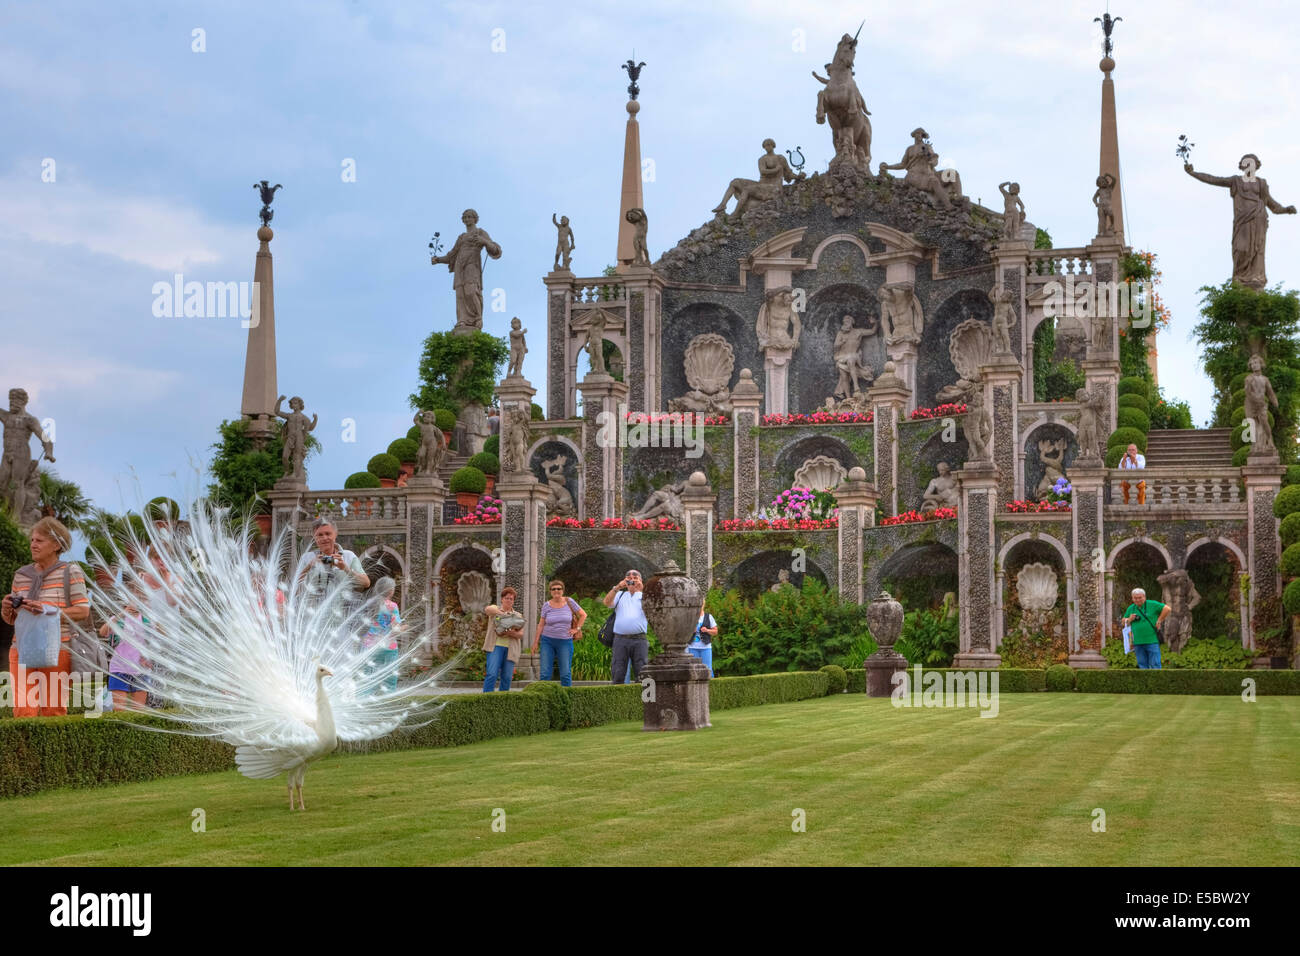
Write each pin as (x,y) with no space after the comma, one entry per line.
(1143,617)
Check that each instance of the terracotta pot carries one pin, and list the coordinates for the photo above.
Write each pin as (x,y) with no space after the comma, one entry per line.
(407,469)
(491,483)
(467,499)
(447,437)
(387,482)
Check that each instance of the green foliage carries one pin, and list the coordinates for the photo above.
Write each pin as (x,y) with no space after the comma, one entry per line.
(1292,476)
(593,706)
(362,479)
(1291,597)
(1287,501)
(468,480)
(1011,680)
(1042,239)
(458,369)
(1290,563)
(1133,385)
(1044,348)
(486,462)
(864,645)
(413,433)
(728,692)
(445,419)
(1219,611)
(838,679)
(857,681)
(1240,455)
(15,551)
(1290,529)
(99,551)
(930,637)
(384,465)
(1059,677)
(1028,651)
(536,413)
(492,445)
(64,499)
(592,659)
(1133,400)
(161,509)
(1217,653)
(557,701)
(1167,414)
(242,472)
(1133,418)
(1186,681)
(1062,380)
(1128,436)
(404,450)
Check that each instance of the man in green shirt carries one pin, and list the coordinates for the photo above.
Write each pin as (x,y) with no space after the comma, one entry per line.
(1143,617)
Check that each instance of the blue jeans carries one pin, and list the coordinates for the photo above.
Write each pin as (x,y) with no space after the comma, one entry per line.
(1148,656)
(382,658)
(498,665)
(553,650)
(705,654)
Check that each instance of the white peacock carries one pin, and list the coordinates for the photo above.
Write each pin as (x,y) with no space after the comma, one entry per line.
(268,661)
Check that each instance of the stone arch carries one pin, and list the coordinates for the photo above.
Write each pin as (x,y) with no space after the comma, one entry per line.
(920,574)
(573,471)
(938,371)
(816,256)
(1066,569)
(760,571)
(386,560)
(792,456)
(813,376)
(593,571)
(471,556)
(1117,597)
(1032,470)
(1139,539)
(1239,556)
(697,319)
(914,476)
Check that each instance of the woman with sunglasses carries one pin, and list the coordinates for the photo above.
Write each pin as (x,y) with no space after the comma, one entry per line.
(560,623)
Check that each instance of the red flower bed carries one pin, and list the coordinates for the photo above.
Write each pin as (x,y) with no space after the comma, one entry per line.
(820,418)
(776,524)
(1034,507)
(909,517)
(618,524)
(940,411)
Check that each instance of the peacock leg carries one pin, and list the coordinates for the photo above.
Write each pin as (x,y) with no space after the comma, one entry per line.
(290,792)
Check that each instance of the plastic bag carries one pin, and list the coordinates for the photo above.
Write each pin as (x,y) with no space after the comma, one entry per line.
(37,637)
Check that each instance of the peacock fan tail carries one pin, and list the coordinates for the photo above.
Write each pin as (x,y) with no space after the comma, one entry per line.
(237,645)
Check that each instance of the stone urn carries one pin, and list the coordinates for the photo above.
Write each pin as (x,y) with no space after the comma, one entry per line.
(675,685)
(885,618)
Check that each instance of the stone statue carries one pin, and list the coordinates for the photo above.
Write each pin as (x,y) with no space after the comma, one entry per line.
(19,476)
(901,314)
(1013,211)
(1003,319)
(848,359)
(978,424)
(1051,452)
(1259,395)
(919,160)
(518,349)
(708,363)
(640,251)
(295,432)
(1101,332)
(782,581)
(517,440)
(1180,595)
(773,171)
(941,492)
(463,260)
(477,428)
(594,346)
(561,503)
(564,244)
(1102,200)
(1251,203)
(433,445)
(778,325)
(666,502)
(1089,434)
(842,103)
(955,392)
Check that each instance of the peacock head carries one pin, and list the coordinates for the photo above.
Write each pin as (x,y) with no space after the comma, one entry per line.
(322,671)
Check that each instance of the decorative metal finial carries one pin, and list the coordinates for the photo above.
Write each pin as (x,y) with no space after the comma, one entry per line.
(633,73)
(797,167)
(1107,25)
(268,193)
(435,244)
(1184,150)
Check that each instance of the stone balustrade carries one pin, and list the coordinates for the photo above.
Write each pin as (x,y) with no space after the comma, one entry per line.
(1047,264)
(1208,489)
(606,290)
(371,508)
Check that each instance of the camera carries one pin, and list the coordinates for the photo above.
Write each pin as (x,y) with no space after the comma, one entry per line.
(16,600)
(327,560)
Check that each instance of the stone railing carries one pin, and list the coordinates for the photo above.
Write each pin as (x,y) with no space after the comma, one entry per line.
(372,507)
(600,290)
(1208,489)
(1048,264)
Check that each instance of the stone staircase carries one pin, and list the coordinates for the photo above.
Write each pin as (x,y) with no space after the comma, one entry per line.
(1189,448)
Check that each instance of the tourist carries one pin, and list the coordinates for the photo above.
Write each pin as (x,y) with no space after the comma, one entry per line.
(706,629)
(503,641)
(1143,617)
(52,587)
(321,565)
(1133,459)
(560,624)
(126,681)
(630,644)
(379,639)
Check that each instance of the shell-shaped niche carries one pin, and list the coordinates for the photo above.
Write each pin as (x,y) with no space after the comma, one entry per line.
(709,363)
(474,591)
(971,346)
(1036,586)
(822,473)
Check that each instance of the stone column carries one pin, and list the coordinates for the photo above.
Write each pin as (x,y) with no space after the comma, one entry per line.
(1002,393)
(1101,367)
(1011,262)
(857,503)
(745,399)
(889,398)
(1263,478)
(286,505)
(424,499)
(978,484)
(903,355)
(561,389)
(776,388)
(641,361)
(523,506)
(1088,476)
(604,402)
(698,503)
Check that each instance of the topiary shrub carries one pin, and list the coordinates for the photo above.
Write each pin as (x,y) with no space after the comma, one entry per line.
(1135,401)
(1060,677)
(493,445)
(1290,563)
(486,462)
(413,433)
(404,450)
(384,466)
(1113,454)
(537,414)
(1133,386)
(1238,383)
(1291,597)
(1240,455)
(362,479)
(1153,393)
(468,480)
(1290,530)
(1129,417)
(839,679)
(1128,436)
(1292,476)
(445,419)
(162,509)
(1238,399)
(1287,501)
(557,701)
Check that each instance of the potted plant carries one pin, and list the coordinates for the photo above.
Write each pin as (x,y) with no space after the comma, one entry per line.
(489,464)
(262,516)
(361,507)
(446,420)
(468,485)
(406,452)
(386,468)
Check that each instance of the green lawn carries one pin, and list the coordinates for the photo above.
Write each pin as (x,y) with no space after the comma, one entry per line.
(1183,781)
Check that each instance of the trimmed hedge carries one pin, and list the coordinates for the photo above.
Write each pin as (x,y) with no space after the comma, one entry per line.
(413,433)
(485,462)
(1287,501)
(1133,385)
(492,445)
(361,479)
(468,480)
(839,678)
(857,680)
(1186,681)
(1128,417)
(445,419)
(1290,529)
(404,450)
(1240,455)
(1292,476)
(384,465)
(1059,677)
(593,706)
(728,692)
(1290,563)
(1128,436)
(557,701)
(1135,401)
(1291,597)
(1011,680)
(1113,454)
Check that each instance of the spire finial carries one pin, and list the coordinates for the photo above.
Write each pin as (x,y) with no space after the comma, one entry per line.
(1107,26)
(633,73)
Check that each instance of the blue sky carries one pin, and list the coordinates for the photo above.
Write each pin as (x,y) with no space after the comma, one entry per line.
(156,148)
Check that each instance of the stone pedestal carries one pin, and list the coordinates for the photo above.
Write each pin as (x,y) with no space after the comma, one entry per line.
(881,668)
(1263,479)
(857,504)
(286,507)
(675,689)
(978,483)
(745,399)
(425,495)
(1002,393)
(1088,476)
(885,618)
(604,402)
(903,355)
(776,365)
(889,398)
(698,503)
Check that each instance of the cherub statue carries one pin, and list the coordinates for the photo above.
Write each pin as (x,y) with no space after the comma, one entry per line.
(1089,433)
(1102,200)
(1259,395)
(1003,318)
(941,492)
(517,439)
(564,244)
(295,432)
(595,344)
(433,444)
(640,251)
(1013,210)
(518,347)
